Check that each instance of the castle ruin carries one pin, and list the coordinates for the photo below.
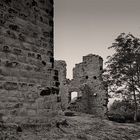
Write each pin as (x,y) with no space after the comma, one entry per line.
(88,83)
(33,86)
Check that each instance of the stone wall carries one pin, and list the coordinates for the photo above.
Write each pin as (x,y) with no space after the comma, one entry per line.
(87,81)
(60,66)
(27,84)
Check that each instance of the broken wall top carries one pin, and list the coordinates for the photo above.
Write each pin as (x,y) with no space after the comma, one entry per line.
(91,65)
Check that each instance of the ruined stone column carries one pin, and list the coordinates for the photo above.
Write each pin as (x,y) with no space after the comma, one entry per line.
(60,66)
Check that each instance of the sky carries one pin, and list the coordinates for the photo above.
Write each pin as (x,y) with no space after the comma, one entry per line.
(83,27)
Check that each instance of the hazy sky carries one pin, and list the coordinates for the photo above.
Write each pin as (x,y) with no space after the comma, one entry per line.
(90,26)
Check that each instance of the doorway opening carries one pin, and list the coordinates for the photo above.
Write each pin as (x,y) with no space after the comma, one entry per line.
(73,96)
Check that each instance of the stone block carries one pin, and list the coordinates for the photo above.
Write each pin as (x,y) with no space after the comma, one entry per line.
(10,86)
(31,112)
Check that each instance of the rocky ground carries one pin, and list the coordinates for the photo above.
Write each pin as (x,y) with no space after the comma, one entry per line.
(86,127)
(79,127)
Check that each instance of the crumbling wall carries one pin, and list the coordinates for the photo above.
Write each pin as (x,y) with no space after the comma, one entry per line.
(87,81)
(27,87)
(60,66)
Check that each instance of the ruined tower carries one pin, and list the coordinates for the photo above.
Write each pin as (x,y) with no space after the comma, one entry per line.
(27,84)
(88,83)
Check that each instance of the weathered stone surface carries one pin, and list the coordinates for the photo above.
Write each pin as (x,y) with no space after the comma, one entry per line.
(60,73)
(26,58)
(87,81)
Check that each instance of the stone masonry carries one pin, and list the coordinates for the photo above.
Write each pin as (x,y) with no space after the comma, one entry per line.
(28,81)
(88,83)
(60,65)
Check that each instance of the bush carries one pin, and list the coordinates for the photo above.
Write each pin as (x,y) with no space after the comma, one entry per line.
(122,111)
(69,113)
(117,118)
(138,117)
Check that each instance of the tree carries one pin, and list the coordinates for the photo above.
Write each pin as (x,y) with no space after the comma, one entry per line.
(122,72)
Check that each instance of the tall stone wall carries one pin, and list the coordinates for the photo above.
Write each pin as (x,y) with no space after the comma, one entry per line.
(27,86)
